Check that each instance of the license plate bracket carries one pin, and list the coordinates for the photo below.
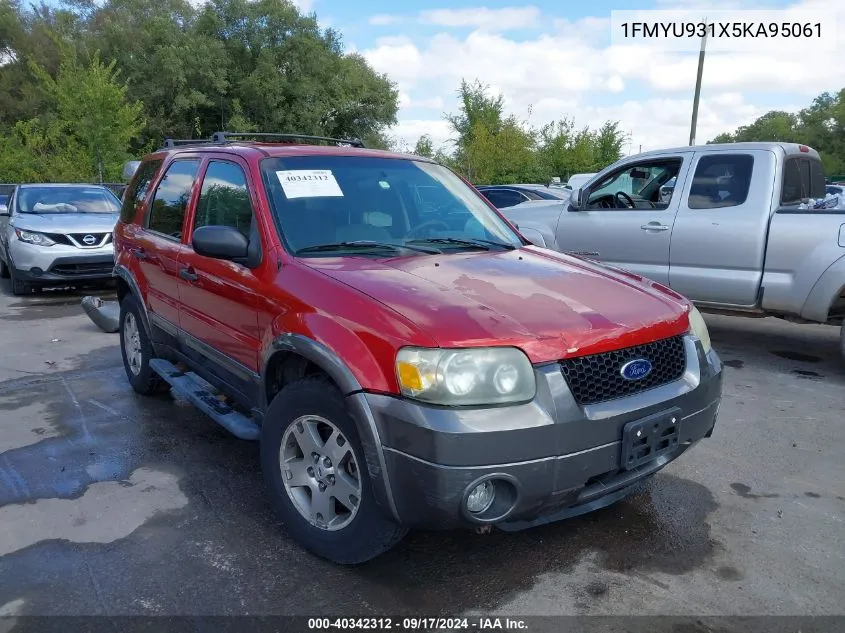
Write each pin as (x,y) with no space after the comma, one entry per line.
(647,439)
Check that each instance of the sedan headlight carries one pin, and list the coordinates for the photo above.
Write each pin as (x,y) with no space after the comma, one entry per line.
(31,237)
(698,327)
(485,375)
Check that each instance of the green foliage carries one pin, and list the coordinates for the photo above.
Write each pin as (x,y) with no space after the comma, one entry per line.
(243,65)
(821,126)
(493,149)
(424,146)
(84,130)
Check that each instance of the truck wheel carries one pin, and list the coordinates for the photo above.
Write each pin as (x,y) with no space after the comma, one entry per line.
(317,478)
(136,348)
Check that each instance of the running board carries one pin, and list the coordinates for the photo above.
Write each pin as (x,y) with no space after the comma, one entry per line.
(202,396)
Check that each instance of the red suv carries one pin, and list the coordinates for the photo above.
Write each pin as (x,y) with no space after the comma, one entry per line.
(405,357)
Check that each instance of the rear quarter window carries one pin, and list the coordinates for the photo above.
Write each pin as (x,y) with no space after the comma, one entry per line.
(137,191)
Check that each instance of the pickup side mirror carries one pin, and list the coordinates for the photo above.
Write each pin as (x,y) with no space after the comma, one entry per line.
(221,242)
(576,201)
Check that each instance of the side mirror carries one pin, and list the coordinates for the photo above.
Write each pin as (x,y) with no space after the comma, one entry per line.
(575,199)
(221,242)
(4,211)
(129,169)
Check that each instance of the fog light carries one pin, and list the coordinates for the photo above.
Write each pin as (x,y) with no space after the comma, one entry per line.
(481,497)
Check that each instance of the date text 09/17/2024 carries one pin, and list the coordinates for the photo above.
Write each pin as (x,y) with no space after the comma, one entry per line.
(417,624)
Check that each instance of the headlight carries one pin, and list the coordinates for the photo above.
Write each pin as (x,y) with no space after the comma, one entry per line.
(31,237)
(698,328)
(485,375)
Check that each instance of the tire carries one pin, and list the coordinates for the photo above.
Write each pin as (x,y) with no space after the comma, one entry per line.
(19,288)
(4,270)
(365,532)
(141,376)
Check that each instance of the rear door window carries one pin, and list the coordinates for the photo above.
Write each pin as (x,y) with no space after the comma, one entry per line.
(167,211)
(137,191)
(721,180)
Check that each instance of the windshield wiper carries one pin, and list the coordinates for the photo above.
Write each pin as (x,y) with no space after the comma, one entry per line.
(364,245)
(473,242)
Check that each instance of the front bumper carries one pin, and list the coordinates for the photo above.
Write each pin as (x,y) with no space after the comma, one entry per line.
(60,264)
(549,459)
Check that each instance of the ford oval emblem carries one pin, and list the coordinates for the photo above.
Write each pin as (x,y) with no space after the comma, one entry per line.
(636,369)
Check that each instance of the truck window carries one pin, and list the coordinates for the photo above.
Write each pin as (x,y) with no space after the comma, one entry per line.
(803,177)
(167,211)
(640,183)
(721,180)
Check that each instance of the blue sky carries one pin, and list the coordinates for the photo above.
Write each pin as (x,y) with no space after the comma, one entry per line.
(554,59)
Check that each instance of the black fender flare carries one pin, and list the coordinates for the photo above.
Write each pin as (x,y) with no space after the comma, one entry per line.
(126,276)
(356,403)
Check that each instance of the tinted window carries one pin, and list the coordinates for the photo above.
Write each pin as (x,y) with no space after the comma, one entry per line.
(502,198)
(321,200)
(167,210)
(817,179)
(70,199)
(137,190)
(224,198)
(721,180)
(802,178)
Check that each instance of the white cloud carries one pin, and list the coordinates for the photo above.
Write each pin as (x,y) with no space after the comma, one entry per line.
(567,70)
(506,18)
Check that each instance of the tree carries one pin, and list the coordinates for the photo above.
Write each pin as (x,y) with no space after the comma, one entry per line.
(821,126)
(92,110)
(424,146)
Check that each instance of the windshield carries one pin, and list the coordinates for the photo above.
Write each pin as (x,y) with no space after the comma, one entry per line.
(355,200)
(70,199)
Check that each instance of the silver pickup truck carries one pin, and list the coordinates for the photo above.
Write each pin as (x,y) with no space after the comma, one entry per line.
(731,234)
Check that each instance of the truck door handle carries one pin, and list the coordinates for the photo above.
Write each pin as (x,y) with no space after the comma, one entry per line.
(140,253)
(188,274)
(654,226)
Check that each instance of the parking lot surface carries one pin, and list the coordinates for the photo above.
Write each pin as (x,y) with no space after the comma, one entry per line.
(112,503)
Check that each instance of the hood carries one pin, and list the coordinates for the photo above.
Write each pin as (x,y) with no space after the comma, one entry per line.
(66,222)
(550,305)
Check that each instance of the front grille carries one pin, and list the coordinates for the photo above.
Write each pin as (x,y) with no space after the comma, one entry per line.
(99,239)
(598,378)
(72,270)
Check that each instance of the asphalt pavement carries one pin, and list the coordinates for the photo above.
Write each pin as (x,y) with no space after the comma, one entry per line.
(117,504)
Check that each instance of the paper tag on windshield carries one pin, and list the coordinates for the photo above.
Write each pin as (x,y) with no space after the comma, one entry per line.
(309,183)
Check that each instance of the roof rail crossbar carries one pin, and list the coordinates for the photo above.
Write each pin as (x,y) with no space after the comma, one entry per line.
(223,137)
(170,143)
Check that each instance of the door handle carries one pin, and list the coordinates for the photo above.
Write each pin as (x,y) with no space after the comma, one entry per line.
(654,226)
(140,253)
(188,274)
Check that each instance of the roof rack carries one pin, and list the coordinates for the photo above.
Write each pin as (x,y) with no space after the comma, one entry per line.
(223,137)
(170,143)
